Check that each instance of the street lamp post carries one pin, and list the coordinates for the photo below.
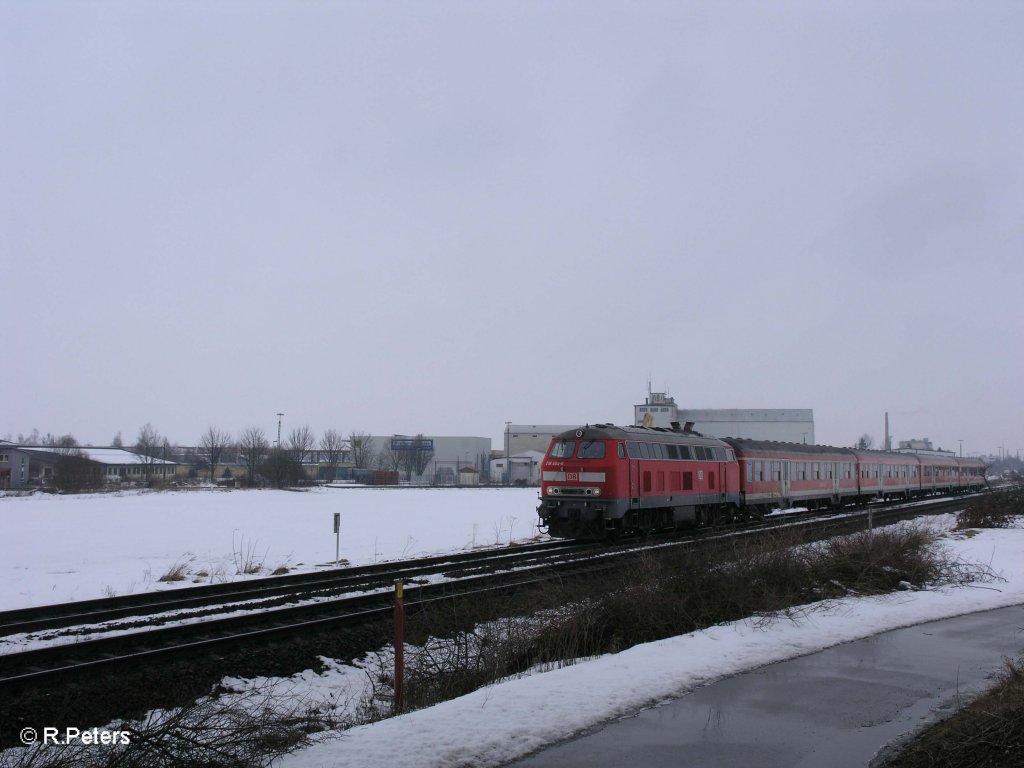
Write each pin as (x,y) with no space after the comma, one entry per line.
(508,459)
(279,429)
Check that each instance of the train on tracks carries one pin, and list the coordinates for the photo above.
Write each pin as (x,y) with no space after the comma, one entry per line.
(601,481)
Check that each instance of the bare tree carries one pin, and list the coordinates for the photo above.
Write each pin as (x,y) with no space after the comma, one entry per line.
(301,441)
(253,447)
(864,442)
(416,454)
(363,452)
(65,445)
(117,442)
(32,438)
(389,457)
(332,447)
(214,443)
(149,445)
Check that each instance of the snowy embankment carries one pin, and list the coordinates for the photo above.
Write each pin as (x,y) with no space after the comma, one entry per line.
(56,549)
(502,722)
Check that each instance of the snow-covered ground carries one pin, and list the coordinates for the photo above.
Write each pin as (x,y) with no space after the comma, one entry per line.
(502,722)
(56,549)
(64,548)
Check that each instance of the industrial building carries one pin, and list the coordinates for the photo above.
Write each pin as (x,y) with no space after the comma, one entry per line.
(444,459)
(788,425)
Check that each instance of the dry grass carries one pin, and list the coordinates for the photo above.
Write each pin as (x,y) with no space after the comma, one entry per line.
(987,733)
(177,572)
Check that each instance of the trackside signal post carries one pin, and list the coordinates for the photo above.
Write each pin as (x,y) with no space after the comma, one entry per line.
(337,538)
(399,645)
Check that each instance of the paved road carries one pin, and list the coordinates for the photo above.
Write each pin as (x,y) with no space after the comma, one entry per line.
(835,708)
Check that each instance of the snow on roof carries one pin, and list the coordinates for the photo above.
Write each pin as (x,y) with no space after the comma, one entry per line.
(120,456)
(98,455)
(107,455)
(527,455)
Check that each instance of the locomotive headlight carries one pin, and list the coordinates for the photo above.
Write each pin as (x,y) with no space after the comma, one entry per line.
(597,491)
(552,491)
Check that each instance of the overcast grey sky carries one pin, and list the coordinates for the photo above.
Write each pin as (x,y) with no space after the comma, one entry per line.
(439,216)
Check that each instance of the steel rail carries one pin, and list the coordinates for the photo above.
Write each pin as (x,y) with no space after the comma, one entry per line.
(146,604)
(62,661)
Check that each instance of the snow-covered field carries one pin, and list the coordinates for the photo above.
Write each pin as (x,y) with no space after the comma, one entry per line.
(76,547)
(56,549)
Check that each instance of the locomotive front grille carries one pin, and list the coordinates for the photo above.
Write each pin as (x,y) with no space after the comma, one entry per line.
(561,490)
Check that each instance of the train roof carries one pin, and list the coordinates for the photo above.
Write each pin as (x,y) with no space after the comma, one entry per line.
(654,434)
(868,454)
(741,444)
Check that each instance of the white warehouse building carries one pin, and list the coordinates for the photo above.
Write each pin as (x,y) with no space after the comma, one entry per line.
(788,425)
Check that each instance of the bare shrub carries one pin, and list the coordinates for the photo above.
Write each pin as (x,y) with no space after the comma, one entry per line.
(999,509)
(658,595)
(252,728)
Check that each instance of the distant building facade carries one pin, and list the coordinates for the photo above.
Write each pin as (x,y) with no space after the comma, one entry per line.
(37,465)
(521,468)
(922,446)
(789,425)
(14,467)
(520,438)
(448,457)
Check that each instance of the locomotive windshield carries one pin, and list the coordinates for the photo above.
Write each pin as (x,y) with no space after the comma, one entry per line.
(562,449)
(591,449)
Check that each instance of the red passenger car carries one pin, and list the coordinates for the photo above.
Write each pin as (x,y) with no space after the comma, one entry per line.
(939,474)
(972,474)
(774,474)
(889,475)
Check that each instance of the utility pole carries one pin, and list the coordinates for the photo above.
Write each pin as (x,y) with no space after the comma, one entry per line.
(279,430)
(508,459)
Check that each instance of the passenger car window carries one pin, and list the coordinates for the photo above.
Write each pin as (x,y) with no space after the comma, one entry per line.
(562,449)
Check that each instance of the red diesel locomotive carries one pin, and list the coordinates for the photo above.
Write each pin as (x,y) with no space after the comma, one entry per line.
(602,480)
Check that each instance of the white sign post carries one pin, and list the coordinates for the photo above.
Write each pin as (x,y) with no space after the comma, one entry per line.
(337,538)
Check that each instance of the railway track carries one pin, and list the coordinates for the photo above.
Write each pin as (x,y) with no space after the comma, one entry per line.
(260,593)
(102,635)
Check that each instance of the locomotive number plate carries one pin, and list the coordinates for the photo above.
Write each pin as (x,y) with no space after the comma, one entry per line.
(571,477)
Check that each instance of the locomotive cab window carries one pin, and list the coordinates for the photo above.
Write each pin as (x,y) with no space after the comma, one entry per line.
(562,449)
(591,449)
